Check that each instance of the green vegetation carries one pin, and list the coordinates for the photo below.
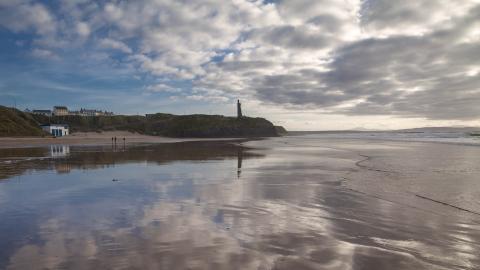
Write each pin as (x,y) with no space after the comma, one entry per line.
(15,123)
(97,123)
(160,124)
(209,126)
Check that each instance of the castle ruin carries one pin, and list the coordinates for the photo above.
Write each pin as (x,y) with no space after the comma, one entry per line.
(239,109)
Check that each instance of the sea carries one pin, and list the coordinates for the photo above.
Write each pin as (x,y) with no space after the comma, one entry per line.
(455,137)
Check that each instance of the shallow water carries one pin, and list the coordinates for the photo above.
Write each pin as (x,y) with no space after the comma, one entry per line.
(451,137)
(283,203)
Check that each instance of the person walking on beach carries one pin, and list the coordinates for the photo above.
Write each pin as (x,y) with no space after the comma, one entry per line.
(115,139)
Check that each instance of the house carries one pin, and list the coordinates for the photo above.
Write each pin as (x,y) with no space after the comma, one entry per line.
(63,111)
(43,112)
(74,113)
(86,112)
(56,130)
(60,111)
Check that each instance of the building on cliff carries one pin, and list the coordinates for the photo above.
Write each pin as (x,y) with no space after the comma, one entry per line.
(239,109)
(60,111)
(88,112)
(63,111)
(42,112)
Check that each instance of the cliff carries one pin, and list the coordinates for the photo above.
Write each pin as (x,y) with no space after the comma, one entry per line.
(281,130)
(202,126)
(197,125)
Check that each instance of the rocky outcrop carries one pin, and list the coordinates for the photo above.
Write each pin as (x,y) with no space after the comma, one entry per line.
(281,130)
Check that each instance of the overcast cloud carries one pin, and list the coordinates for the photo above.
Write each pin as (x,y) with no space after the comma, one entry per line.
(404,59)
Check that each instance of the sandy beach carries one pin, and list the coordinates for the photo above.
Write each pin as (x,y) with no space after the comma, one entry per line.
(94,138)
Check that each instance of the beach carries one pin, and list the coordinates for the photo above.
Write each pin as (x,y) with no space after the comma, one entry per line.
(92,138)
(294,202)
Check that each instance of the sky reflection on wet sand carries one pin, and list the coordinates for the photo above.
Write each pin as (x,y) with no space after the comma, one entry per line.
(188,206)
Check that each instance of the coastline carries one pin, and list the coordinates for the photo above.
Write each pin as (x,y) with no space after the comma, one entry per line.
(95,139)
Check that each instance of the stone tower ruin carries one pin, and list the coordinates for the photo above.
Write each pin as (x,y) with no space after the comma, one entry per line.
(239,109)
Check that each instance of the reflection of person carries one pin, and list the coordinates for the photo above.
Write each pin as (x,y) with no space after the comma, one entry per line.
(239,161)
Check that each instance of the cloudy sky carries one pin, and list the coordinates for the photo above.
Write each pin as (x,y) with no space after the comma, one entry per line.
(304,64)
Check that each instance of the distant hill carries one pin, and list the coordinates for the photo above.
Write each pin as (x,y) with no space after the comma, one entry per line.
(302,133)
(466,130)
(14,123)
(160,124)
(441,129)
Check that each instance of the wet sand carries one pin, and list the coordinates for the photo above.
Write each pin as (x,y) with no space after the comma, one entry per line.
(92,138)
(282,203)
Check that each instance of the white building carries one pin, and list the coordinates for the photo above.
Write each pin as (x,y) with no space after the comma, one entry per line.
(56,130)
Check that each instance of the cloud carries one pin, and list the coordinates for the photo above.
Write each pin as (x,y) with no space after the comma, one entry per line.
(385,18)
(45,54)
(293,37)
(214,99)
(18,16)
(83,29)
(352,57)
(160,87)
(108,43)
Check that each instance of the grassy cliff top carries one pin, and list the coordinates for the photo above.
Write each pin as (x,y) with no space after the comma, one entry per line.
(14,123)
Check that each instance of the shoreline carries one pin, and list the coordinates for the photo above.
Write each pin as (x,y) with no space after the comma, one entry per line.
(96,139)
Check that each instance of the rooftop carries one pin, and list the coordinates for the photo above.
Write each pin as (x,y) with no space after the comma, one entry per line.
(41,110)
(55,125)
